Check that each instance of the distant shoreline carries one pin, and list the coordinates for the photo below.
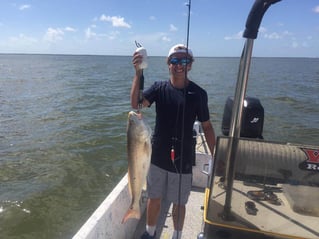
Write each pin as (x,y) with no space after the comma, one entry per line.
(60,54)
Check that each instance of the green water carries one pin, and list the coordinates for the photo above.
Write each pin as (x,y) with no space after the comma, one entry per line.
(63,121)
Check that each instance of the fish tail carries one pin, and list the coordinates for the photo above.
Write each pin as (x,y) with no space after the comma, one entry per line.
(131,213)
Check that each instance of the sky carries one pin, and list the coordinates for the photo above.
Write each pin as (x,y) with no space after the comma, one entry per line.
(290,28)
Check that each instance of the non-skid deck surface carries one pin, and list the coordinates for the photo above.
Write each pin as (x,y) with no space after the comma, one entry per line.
(193,218)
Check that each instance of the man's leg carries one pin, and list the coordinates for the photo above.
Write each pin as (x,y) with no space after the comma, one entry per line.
(156,180)
(179,199)
(153,210)
(152,213)
(178,216)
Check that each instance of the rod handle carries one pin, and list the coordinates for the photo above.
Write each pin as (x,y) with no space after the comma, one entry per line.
(255,16)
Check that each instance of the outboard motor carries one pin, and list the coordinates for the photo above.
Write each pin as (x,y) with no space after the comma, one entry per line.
(252,118)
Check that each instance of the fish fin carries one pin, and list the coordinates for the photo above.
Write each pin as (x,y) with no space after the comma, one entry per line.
(131,213)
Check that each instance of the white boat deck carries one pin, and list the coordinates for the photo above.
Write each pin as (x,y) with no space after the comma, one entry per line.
(193,218)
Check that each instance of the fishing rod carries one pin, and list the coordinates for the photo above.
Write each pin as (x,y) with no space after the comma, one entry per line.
(188,24)
(188,5)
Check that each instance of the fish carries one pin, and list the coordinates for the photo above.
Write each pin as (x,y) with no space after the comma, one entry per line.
(139,151)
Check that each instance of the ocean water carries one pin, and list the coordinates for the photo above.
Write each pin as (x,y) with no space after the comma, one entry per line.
(63,122)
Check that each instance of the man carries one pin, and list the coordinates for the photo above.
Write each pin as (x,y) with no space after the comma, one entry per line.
(179,102)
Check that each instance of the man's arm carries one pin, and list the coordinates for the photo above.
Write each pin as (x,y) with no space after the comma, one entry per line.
(135,90)
(209,135)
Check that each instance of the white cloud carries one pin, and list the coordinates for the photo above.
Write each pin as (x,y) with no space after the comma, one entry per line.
(316,9)
(69,29)
(166,39)
(22,39)
(113,35)
(89,34)
(152,18)
(237,36)
(24,7)
(116,21)
(172,28)
(262,29)
(262,32)
(294,44)
(19,44)
(151,39)
(56,34)
(276,35)
(53,35)
(273,35)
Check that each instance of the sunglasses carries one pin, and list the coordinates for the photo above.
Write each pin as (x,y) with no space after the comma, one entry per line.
(180,61)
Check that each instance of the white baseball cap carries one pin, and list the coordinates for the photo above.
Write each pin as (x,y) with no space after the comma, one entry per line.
(180,48)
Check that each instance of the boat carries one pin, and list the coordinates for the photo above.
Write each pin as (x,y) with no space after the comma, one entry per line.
(250,188)
(263,167)
(105,222)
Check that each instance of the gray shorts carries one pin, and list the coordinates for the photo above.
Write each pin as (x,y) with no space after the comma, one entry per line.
(165,184)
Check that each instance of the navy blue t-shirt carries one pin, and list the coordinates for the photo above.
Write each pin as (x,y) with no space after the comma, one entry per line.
(170,103)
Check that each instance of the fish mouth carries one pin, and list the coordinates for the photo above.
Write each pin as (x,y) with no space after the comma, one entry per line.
(138,115)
